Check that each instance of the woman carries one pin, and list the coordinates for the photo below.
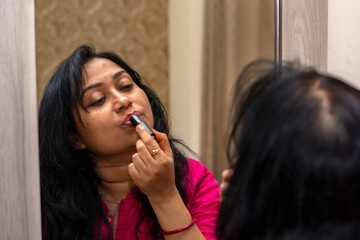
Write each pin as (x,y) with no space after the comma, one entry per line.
(296,141)
(102,178)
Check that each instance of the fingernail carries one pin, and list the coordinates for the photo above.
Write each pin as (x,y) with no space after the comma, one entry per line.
(138,127)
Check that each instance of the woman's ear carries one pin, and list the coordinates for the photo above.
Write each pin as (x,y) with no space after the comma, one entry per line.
(76,142)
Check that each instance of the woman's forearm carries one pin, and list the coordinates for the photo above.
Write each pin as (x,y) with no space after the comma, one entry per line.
(172,214)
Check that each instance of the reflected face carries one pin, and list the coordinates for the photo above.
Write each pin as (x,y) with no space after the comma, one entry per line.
(110,97)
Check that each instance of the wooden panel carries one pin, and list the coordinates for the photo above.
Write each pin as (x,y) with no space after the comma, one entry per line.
(304,32)
(19,171)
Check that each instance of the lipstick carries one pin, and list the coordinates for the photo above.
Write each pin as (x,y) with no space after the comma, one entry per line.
(135,120)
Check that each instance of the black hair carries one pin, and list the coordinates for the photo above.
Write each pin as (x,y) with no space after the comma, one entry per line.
(70,201)
(296,138)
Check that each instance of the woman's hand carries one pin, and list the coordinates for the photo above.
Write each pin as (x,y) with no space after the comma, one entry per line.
(225,181)
(226,178)
(153,174)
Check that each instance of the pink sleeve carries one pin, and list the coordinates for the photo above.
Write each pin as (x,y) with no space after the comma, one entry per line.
(204,198)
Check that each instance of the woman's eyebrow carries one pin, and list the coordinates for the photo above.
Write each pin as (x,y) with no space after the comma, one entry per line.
(90,87)
(118,74)
(115,76)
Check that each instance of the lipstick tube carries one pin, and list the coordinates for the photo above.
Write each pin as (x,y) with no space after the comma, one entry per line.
(135,120)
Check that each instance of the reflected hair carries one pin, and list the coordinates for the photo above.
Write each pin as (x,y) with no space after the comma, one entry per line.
(69,198)
(296,140)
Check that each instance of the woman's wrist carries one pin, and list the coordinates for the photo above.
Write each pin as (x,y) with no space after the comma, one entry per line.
(165,198)
(181,229)
(171,211)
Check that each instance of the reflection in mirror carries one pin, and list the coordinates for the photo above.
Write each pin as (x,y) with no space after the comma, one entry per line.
(98,170)
(234,33)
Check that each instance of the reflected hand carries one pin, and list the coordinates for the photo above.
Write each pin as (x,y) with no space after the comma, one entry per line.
(225,179)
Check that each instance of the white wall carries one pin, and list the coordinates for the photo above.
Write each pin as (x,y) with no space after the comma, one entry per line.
(185,48)
(344,40)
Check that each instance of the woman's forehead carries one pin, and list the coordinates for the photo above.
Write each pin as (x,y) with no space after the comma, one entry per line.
(99,65)
(99,68)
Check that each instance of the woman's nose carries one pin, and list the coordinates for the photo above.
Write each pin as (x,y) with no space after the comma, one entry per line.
(121,101)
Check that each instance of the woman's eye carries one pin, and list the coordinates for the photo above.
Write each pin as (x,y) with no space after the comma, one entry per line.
(126,87)
(98,102)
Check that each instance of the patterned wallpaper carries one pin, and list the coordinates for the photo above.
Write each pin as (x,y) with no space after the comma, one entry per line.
(136,29)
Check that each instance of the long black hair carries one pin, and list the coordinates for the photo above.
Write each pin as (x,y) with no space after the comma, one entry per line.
(69,198)
(296,138)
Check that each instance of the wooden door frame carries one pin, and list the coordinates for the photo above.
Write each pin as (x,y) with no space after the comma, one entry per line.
(303,29)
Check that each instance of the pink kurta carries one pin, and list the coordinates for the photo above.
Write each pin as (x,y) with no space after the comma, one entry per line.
(203,205)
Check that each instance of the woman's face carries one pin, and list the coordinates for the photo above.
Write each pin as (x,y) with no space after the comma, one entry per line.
(110,96)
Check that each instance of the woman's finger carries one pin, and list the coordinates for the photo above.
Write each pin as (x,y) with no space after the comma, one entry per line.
(227,174)
(138,162)
(134,173)
(223,188)
(148,141)
(145,154)
(163,142)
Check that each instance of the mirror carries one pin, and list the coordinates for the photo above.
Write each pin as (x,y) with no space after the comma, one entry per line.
(169,43)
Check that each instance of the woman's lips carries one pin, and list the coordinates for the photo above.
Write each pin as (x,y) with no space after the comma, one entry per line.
(127,121)
(128,124)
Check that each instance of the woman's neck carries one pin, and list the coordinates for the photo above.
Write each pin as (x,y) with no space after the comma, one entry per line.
(115,184)
(115,180)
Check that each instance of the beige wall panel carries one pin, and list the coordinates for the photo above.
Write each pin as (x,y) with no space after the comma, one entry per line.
(136,29)
(19,164)
(304,32)
(185,75)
